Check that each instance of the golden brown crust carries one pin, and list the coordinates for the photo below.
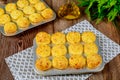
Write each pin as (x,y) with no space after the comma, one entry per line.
(59,50)
(47,13)
(10,28)
(94,61)
(77,62)
(73,37)
(23,23)
(43,51)
(35,18)
(16,14)
(40,6)
(58,38)
(5,18)
(90,48)
(28,10)
(22,3)
(33,1)
(60,62)
(42,38)
(10,7)
(75,49)
(88,37)
(2,11)
(43,64)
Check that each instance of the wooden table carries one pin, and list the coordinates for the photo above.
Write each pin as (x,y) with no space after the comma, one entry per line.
(11,45)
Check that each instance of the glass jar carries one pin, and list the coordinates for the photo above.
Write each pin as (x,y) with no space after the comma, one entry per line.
(69,10)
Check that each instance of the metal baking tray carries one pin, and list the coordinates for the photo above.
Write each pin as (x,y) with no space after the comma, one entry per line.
(54,71)
(31,26)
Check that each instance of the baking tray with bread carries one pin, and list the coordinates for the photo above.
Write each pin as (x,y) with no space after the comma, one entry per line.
(71,53)
(23,15)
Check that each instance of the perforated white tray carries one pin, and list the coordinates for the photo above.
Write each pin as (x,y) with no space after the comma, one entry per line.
(31,26)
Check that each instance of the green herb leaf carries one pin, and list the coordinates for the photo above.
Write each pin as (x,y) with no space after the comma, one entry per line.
(100,9)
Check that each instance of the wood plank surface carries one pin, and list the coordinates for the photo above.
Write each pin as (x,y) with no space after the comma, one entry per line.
(11,45)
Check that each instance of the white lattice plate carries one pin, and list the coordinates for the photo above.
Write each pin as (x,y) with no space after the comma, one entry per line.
(21,63)
(54,71)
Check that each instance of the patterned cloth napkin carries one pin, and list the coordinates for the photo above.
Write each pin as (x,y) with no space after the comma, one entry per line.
(21,63)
